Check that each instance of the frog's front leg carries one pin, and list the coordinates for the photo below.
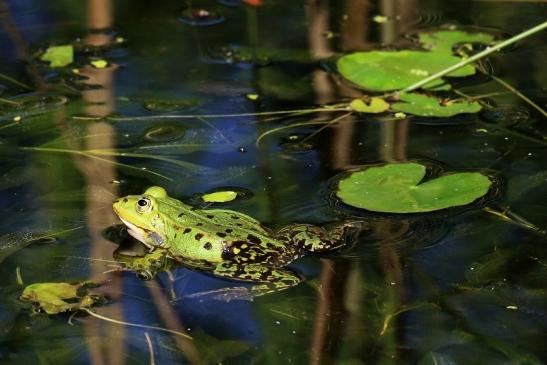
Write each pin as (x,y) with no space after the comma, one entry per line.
(268,279)
(316,238)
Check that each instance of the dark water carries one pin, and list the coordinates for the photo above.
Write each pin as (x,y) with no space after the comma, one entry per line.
(463,286)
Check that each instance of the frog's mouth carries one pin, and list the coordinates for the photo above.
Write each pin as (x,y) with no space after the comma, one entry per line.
(149,238)
(136,232)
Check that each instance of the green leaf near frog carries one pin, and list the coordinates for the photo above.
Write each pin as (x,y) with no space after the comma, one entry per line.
(225,243)
(53,298)
(58,56)
(397,188)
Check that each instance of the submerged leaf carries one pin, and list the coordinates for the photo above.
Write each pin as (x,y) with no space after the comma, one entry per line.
(59,56)
(430,106)
(385,71)
(444,40)
(55,298)
(376,105)
(394,188)
(219,196)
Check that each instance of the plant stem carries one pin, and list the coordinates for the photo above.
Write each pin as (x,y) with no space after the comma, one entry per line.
(519,94)
(476,57)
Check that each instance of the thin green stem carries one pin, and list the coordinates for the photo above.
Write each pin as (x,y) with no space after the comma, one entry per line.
(116,321)
(475,57)
(519,94)
(13,81)
(236,115)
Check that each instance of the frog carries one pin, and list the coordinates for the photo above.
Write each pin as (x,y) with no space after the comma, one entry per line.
(225,243)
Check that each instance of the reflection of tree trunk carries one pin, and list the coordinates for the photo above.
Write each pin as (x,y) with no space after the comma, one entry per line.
(99,175)
(327,323)
(401,16)
(333,277)
(355,31)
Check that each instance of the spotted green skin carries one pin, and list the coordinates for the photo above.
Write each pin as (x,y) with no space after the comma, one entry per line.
(225,243)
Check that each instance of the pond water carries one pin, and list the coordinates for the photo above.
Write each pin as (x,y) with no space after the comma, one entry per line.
(183,102)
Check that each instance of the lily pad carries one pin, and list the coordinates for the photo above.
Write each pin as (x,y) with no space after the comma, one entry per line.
(396,188)
(55,298)
(376,105)
(430,106)
(385,71)
(444,40)
(219,196)
(59,56)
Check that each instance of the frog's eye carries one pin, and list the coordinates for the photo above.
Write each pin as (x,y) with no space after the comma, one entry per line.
(144,205)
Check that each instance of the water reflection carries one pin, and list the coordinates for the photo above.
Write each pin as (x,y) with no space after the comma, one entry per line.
(452,287)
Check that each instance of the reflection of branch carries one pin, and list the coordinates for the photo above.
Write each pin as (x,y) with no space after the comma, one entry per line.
(170,319)
(322,313)
(20,46)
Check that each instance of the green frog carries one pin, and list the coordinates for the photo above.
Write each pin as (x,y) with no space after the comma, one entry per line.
(225,243)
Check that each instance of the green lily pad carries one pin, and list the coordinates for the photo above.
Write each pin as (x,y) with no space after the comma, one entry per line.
(396,188)
(385,71)
(55,298)
(444,40)
(376,105)
(430,106)
(219,196)
(59,56)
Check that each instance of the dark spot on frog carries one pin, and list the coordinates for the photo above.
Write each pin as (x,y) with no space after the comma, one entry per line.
(125,200)
(181,214)
(208,246)
(235,217)
(210,216)
(253,239)
(198,236)
(228,230)
(187,230)
(220,234)
(239,224)
(199,224)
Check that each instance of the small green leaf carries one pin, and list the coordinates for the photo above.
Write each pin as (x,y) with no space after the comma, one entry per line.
(430,106)
(395,188)
(376,105)
(219,196)
(59,56)
(444,40)
(100,63)
(385,71)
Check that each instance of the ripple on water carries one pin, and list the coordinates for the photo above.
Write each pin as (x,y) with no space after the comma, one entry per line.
(200,17)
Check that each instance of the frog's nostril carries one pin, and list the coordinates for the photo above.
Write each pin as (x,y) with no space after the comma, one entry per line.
(117,201)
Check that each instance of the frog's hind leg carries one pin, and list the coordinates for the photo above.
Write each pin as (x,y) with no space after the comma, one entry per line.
(314,238)
(266,280)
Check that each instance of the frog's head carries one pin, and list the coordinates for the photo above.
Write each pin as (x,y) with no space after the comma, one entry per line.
(143,217)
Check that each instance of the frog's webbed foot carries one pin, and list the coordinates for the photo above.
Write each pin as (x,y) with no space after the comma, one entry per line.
(316,238)
(265,279)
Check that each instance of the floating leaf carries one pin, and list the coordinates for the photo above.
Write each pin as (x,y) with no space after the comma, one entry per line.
(55,298)
(444,40)
(385,71)
(59,56)
(394,188)
(430,106)
(100,63)
(219,196)
(376,105)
